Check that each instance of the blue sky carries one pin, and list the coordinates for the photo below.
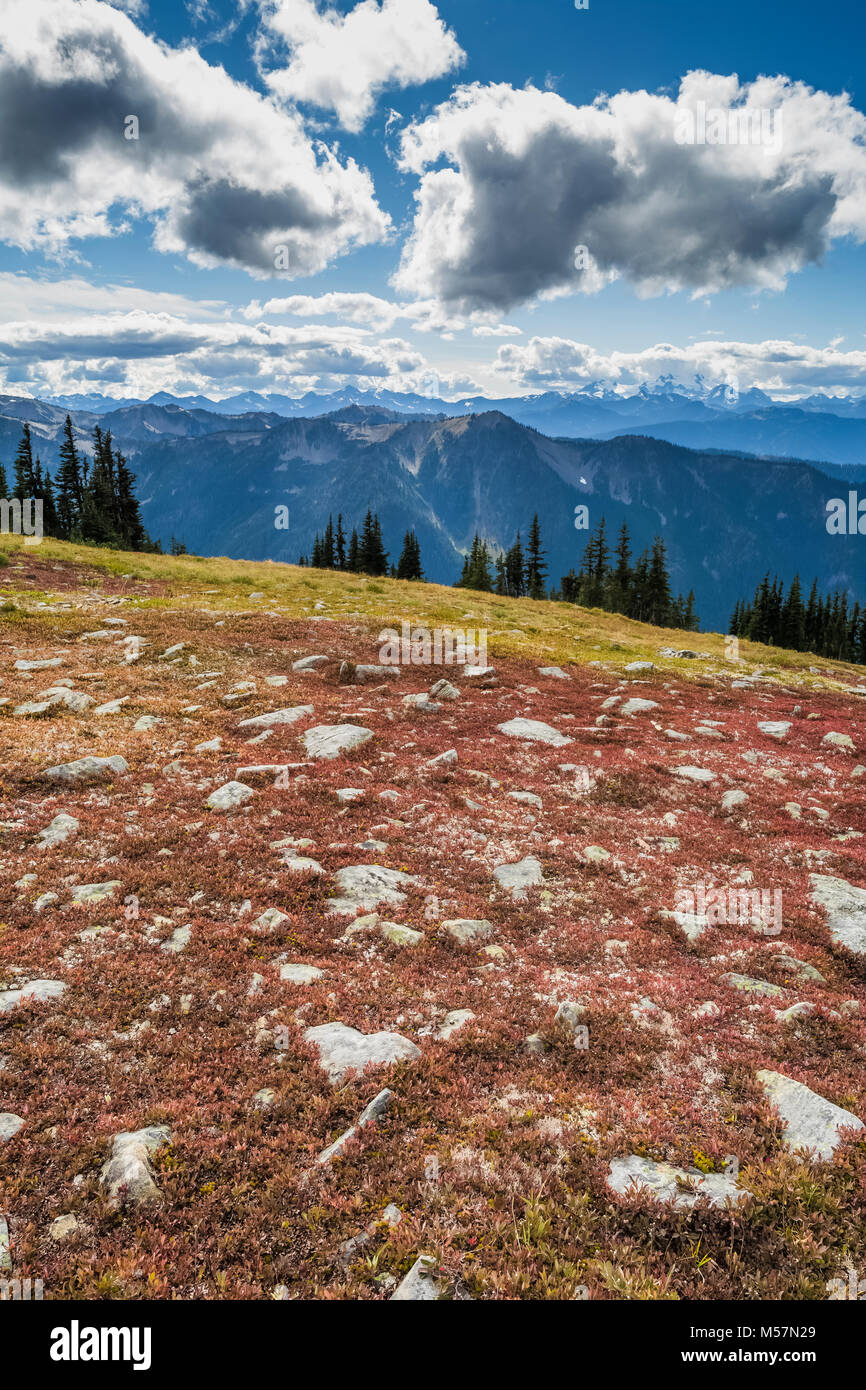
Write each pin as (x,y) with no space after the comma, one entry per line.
(430,169)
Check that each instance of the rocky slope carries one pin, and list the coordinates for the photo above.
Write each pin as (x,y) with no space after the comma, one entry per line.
(312,987)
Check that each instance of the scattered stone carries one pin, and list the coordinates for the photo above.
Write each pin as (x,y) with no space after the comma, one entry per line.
(840,741)
(231,795)
(112,706)
(421,1284)
(554,673)
(517,878)
(732,799)
(87,893)
(467,929)
(363,886)
(62,1227)
(810,1121)
(278,716)
(444,690)
(9,1125)
(270,921)
(343,1049)
(683,1187)
(301,974)
(635,667)
(39,665)
(367,675)
(61,829)
(37,991)
(89,769)
(178,941)
(694,774)
(309,663)
(447,759)
(330,740)
(638,707)
(127,1174)
(534,731)
(374,1111)
(845,906)
(748,985)
(775,728)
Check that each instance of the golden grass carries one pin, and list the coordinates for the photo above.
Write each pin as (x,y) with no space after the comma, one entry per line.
(554,633)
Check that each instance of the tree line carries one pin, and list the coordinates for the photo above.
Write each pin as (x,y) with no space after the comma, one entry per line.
(364,554)
(823,624)
(606,579)
(91,501)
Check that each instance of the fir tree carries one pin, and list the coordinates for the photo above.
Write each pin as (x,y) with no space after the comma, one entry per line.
(536,569)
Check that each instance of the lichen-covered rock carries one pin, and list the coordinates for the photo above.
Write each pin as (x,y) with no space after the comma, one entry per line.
(809,1120)
(90,769)
(342,1049)
(534,731)
(330,740)
(127,1174)
(683,1187)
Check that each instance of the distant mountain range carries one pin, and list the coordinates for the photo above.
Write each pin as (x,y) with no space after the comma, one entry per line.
(214,480)
(829,429)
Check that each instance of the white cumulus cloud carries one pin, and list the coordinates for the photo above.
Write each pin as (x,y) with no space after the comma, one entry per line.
(341,62)
(225,175)
(529,179)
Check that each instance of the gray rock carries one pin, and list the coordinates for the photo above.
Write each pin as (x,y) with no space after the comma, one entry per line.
(374,1111)
(368,675)
(178,941)
(330,740)
(86,893)
(31,709)
(528,798)
(810,1121)
(62,1227)
(638,707)
(694,774)
(74,700)
(37,991)
(270,920)
(534,731)
(277,716)
(342,1049)
(845,906)
(422,703)
(127,1175)
(39,665)
(301,974)
(446,759)
(363,886)
(746,984)
(61,829)
(683,1187)
(517,878)
(90,769)
(554,673)
(112,706)
(840,741)
(636,667)
(732,799)
(775,728)
(9,1125)
(468,929)
(231,795)
(444,690)
(309,663)
(421,1284)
